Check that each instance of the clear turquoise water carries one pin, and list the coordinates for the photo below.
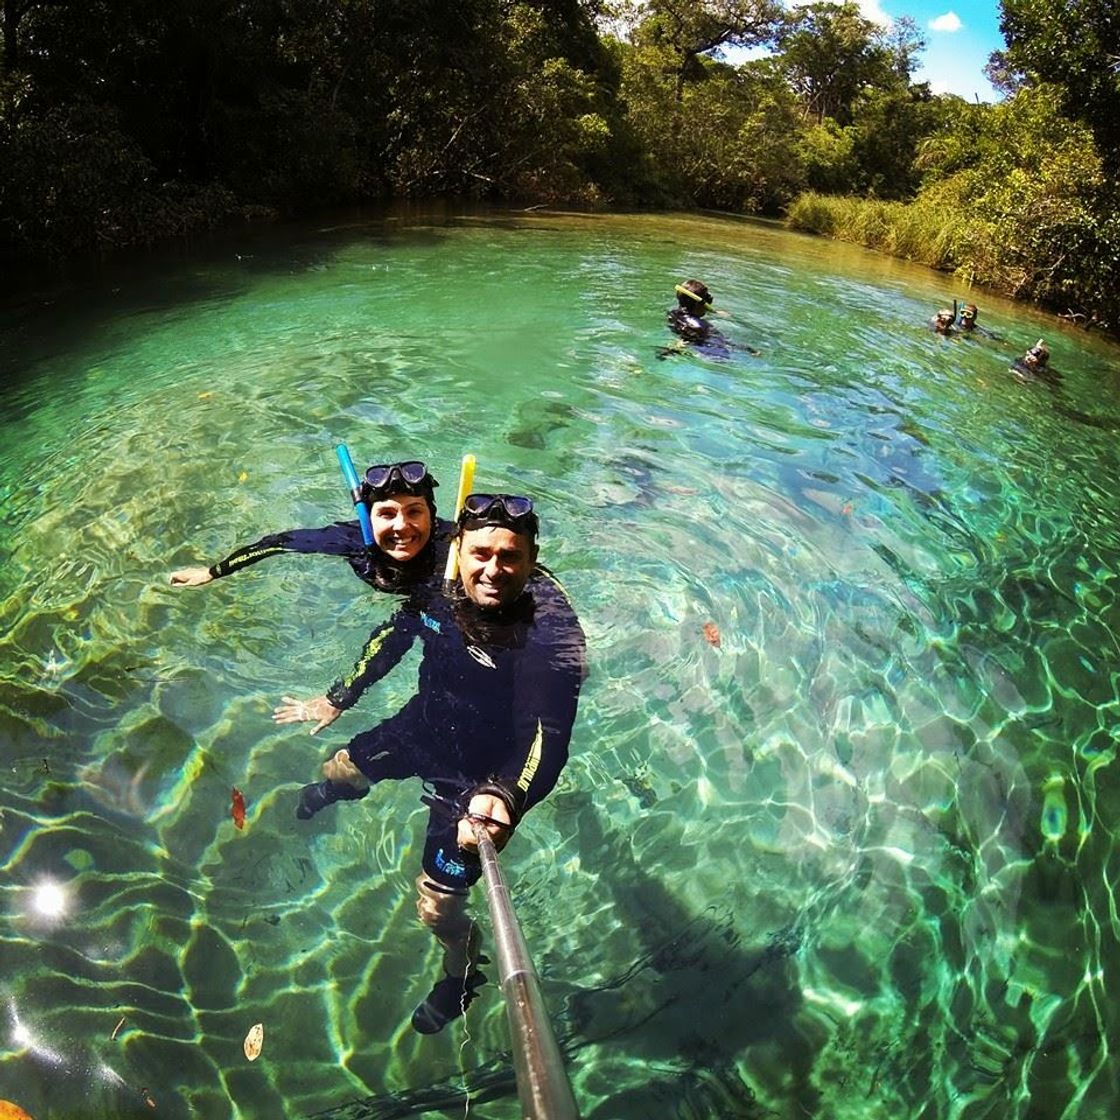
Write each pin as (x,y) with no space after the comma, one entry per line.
(859,860)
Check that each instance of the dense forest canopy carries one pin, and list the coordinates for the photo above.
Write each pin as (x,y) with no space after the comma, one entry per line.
(124,121)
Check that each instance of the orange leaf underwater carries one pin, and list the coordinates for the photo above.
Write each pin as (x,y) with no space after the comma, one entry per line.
(711,633)
(237,810)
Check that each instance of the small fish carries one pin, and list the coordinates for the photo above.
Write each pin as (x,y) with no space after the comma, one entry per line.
(254,1041)
(846,508)
(711,634)
(237,809)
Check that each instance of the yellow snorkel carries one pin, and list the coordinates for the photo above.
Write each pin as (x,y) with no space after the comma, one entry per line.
(466,481)
(681,290)
(705,304)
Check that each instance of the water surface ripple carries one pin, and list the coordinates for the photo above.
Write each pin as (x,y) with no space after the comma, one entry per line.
(856,860)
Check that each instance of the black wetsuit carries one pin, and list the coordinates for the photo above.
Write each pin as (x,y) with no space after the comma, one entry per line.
(1026,372)
(493,713)
(699,332)
(344,538)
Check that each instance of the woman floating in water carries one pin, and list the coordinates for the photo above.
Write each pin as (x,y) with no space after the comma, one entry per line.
(409,542)
(944,322)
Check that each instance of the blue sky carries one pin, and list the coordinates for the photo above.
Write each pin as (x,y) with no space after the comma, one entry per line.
(960,37)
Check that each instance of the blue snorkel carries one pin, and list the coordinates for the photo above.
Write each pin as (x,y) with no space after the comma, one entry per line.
(351,477)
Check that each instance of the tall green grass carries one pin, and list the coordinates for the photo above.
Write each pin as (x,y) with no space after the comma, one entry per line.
(926,231)
(1022,243)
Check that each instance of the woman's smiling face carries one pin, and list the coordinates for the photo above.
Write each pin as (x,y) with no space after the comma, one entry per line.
(402,525)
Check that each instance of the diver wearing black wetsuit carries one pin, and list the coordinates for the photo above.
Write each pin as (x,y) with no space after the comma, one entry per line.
(396,561)
(344,538)
(493,713)
(487,731)
(687,322)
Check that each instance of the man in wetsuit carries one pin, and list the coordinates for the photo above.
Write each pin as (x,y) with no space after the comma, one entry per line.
(687,322)
(487,731)
(410,542)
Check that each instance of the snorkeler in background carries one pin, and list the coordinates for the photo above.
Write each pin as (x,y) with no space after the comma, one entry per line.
(409,542)
(968,326)
(1034,366)
(687,322)
(944,322)
(1036,363)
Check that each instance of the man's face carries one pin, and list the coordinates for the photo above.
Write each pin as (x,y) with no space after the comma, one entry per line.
(402,524)
(495,564)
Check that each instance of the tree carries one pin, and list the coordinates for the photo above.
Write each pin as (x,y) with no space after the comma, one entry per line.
(686,30)
(1075,44)
(904,41)
(888,126)
(830,54)
(1003,76)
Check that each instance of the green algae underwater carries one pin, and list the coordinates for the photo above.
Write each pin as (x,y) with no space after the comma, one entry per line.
(838,833)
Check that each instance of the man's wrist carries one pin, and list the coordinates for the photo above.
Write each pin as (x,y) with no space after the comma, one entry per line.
(506,792)
(337,698)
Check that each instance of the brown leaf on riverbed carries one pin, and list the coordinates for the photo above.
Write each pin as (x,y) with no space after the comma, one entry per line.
(237,808)
(711,634)
(254,1041)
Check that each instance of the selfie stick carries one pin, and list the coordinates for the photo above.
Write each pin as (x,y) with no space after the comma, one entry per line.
(542,1082)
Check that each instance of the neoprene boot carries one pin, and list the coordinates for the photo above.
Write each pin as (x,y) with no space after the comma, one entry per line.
(449,999)
(318,795)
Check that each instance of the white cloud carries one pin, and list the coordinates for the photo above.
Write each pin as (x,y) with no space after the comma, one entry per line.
(869,9)
(950,21)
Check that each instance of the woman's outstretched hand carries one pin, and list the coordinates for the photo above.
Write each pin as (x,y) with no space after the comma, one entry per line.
(319,709)
(190,577)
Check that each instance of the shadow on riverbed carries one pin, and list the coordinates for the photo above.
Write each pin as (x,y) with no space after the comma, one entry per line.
(678,1014)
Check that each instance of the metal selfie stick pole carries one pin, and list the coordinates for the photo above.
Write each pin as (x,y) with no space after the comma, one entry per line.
(542,1082)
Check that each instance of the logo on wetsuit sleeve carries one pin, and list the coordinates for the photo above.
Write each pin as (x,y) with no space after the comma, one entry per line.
(429,622)
(450,866)
(482,657)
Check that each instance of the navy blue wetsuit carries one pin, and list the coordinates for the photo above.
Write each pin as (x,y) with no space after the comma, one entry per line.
(344,538)
(699,332)
(493,713)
